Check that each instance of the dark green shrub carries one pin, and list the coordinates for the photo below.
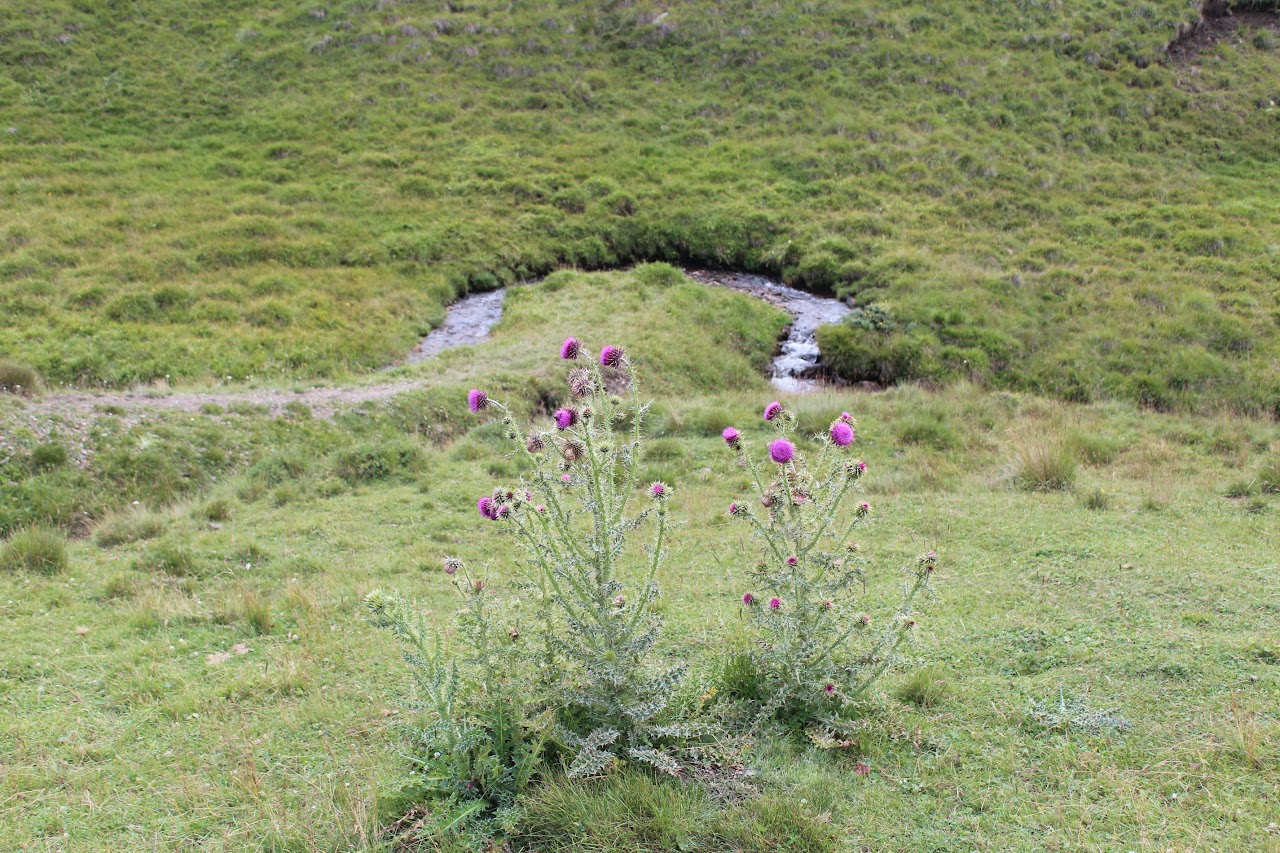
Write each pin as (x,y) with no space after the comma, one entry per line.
(277,468)
(35,549)
(372,461)
(49,455)
(884,358)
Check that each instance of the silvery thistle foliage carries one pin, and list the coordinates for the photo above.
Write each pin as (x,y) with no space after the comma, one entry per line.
(595,637)
(815,653)
(475,738)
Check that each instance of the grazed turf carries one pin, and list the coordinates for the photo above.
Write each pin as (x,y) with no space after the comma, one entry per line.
(205,190)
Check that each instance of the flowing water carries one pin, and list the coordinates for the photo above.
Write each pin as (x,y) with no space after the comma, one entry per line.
(797,366)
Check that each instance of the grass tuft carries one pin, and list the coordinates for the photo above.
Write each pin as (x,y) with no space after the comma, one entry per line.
(131,525)
(18,379)
(1044,465)
(925,688)
(36,549)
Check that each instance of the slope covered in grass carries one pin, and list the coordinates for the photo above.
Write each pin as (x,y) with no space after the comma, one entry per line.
(1040,199)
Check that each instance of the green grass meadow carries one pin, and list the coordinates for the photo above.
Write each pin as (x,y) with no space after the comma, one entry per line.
(1061,248)
(201,676)
(203,190)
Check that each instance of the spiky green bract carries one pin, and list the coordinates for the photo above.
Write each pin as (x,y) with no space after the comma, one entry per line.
(814,651)
(598,666)
(475,740)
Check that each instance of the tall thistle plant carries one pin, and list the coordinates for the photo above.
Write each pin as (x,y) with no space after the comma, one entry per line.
(815,651)
(596,628)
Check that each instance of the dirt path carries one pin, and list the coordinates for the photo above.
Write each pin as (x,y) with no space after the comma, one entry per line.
(469,321)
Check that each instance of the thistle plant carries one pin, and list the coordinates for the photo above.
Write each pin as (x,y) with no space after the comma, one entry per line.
(815,651)
(596,628)
(475,738)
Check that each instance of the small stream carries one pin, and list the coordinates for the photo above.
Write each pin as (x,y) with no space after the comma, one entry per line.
(796,367)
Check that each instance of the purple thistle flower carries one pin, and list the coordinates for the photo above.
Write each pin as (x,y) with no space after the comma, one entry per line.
(861,466)
(487,507)
(658,490)
(477,400)
(731,436)
(748,599)
(841,434)
(791,561)
(864,508)
(541,507)
(570,348)
(733,508)
(612,356)
(830,689)
(846,417)
(565,418)
(782,451)
(503,511)
(451,565)
(772,410)
(775,603)
(566,479)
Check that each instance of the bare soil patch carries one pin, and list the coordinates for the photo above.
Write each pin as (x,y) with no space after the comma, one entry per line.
(1218,24)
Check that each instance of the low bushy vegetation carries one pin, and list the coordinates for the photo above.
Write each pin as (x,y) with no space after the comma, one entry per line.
(18,379)
(34,549)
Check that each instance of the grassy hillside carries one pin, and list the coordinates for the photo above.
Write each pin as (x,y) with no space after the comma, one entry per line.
(201,189)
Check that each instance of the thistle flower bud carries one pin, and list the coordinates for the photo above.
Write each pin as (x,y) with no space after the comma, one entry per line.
(573,450)
(534,443)
(618,601)
(864,509)
(513,633)
(586,413)
(452,565)
(658,491)
(775,603)
(748,599)
(791,561)
(581,384)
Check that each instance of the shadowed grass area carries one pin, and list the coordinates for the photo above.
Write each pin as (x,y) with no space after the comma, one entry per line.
(1038,198)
